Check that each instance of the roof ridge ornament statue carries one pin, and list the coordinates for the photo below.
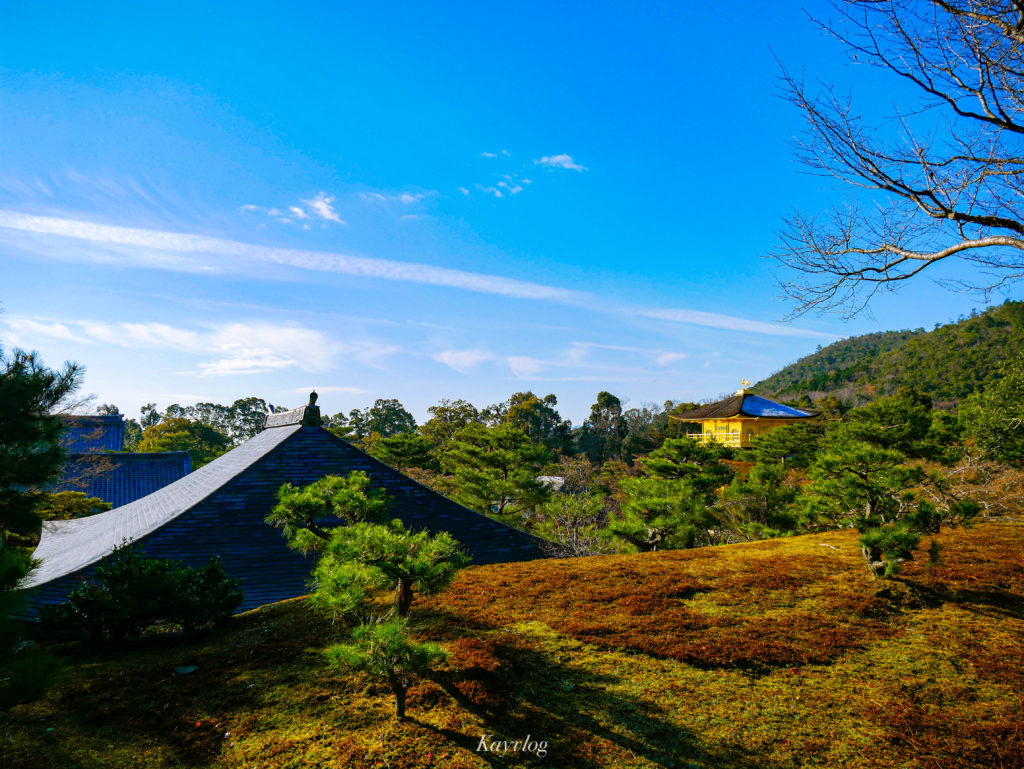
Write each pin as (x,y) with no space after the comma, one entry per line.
(311,413)
(307,416)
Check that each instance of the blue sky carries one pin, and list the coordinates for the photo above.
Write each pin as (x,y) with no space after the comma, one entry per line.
(410,200)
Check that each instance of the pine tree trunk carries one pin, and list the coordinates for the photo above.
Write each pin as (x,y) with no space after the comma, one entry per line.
(874,561)
(403,596)
(399,690)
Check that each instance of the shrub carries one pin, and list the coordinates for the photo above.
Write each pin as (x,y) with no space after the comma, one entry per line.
(26,671)
(132,592)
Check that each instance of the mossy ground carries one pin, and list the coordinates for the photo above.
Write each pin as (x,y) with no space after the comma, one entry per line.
(773,654)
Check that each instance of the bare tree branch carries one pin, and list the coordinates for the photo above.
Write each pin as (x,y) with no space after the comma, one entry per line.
(942,180)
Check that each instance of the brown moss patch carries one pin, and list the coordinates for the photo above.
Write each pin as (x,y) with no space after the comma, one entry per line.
(766,608)
(926,731)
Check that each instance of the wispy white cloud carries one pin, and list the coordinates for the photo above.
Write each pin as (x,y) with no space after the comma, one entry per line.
(275,213)
(668,358)
(524,366)
(153,248)
(510,184)
(136,247)
(405,198)
(227,349)
(463,361)
(560,161)
(578,351)
(728,322)
(322,205)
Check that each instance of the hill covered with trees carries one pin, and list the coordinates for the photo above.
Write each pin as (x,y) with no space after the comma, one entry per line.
(947,363)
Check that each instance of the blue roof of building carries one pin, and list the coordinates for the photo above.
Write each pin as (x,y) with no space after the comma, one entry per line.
(123,478)
(754,406)
(93,433)
(746,405)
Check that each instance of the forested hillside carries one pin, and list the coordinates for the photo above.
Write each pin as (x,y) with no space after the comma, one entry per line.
(948,363)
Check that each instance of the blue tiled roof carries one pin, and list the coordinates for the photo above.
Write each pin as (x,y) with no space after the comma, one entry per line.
(762,407)
(123,478)
(103,432)
(220,509)
(746,405)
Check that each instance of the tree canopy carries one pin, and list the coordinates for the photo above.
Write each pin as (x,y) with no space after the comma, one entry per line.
(495,470)
(30,451)
(202,442)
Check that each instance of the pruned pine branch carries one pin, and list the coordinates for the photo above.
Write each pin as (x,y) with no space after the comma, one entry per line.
(940,180)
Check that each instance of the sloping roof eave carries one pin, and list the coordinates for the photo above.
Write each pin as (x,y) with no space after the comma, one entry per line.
(66,547)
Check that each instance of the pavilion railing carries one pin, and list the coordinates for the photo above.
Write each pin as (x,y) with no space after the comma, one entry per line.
(726,439)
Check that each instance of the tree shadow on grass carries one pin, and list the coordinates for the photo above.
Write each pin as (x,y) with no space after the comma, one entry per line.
(988,603)
(148,703)
(577,712)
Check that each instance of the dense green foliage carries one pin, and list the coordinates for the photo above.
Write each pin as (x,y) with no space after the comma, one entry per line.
(131,593)
(238,422)
(363,556)
(30,450)
(994,419)
(358,560)
(401,451)
(495,469)
(300,510)
(68,505)
(30,457)
(948,363)
(202,442)
(386,417)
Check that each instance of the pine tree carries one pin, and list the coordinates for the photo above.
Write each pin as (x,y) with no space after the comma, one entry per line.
(660,514)
(300,510)
(363,556)
(382,649)
(30,457)
(495,471)
(30,451)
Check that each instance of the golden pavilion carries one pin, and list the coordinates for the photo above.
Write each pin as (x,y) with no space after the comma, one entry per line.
(736,421)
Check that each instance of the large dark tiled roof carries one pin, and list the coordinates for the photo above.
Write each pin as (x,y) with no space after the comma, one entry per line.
(220,509)
(746,405)
(123,478)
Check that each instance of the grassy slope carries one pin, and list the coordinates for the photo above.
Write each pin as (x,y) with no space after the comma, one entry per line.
(771,654)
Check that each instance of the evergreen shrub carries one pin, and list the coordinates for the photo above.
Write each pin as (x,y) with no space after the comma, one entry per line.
(132,593)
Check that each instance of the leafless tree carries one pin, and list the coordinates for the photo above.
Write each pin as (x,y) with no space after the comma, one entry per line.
(941,179)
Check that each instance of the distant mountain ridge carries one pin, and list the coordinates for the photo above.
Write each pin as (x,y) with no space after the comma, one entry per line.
(948,363)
